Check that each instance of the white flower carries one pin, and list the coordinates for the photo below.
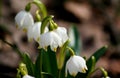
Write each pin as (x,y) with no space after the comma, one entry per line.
(50,39)
(106,77)
(23,20)
(27,76)
(34,31)
(54,39)
(62,32)
(76,64)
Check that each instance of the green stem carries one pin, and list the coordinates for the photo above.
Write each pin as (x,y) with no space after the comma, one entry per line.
(45,21)
(38,17)
(14,47)
(41,7)
(41,64)
(102,70)
(59,73)
(71,51)
(61,57)
(88,76)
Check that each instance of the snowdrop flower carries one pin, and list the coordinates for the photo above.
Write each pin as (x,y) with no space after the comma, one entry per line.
(106,77)
(50,39)
(55,38)
(76,64)
(24,19)
(34,31)
(62,32)
(27,76)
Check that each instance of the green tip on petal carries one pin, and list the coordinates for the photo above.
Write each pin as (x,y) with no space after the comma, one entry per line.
(84,70)
(38,39)
(106,46)
(73,74)
(30,39)
(25,30)
(55,49)
(17,26)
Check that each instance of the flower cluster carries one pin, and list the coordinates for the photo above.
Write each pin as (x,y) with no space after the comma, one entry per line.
(55,38)
(47,33)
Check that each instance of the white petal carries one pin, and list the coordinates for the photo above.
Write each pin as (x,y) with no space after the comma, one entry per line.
(50,39)
(24,19)
(19,17)
(76,64)
(106,77)
(71,67)
(30,33)
(27,76)
(34,31)
(62,32)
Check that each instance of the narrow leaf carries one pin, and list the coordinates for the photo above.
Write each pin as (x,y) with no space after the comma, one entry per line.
(29,64)
(38,64)
(47,75)
(75,43)
(97,56)
(50,62)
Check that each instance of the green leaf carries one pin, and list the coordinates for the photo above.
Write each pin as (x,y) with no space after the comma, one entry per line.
(25,58)
(47,75)
(61,59)
(97,56)
(75,42)
(29,64)
(38,64)
(50,62)
(92,61)
(61,55)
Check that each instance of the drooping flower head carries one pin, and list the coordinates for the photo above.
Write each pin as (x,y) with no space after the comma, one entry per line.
(55,38)
(106,77)
(76,64)
(50,39)
(34,31)
(23,20)
(62,32)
